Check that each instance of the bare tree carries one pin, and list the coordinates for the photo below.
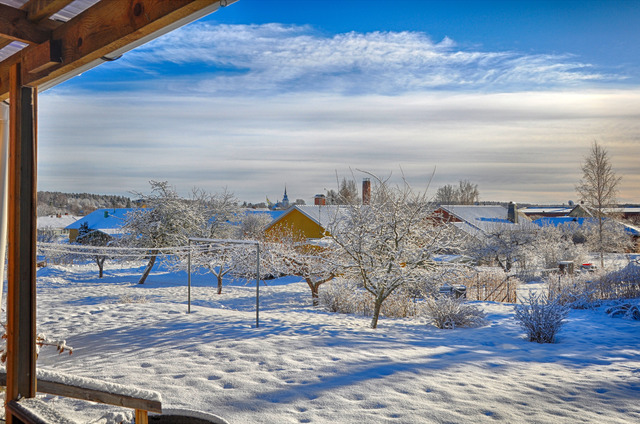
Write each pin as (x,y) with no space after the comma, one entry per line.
(465,194)
(468,193)
(598,188)
(447,195)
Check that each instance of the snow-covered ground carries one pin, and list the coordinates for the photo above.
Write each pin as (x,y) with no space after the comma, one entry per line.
(303,365)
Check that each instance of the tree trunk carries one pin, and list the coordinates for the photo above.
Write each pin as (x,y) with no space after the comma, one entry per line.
(600,240)
(314,291)
(376,311)
(219,276)
(100,262)
(152,260)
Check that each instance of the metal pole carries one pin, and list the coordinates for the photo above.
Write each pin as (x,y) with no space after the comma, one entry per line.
(189,280)
(258,285)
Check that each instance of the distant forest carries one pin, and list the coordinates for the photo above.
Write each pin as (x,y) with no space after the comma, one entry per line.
(55,202)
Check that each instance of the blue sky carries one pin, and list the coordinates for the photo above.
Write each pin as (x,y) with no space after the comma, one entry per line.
(509,95)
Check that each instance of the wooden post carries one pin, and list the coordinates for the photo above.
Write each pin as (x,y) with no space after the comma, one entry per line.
(142,416)
(21,270)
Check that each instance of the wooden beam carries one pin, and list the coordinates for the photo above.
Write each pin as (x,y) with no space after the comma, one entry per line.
(44,56)
(39,10)
(99,396)
(21,270)
(15,25)
(105,27)
(116,394)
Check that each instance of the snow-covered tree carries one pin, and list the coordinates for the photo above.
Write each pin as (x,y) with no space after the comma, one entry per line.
(91,237)
(217,217)
(506,244)
(390,242)
(167,221)
(316,263)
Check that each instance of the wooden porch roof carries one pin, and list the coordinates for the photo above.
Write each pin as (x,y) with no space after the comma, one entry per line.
(55,40)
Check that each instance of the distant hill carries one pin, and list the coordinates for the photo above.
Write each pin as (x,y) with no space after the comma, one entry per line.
(54,202)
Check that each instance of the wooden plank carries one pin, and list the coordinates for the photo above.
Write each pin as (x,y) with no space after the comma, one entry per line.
(99,396)
(103,28)
(39,10)
(35,411)
(15,25)
(21,270)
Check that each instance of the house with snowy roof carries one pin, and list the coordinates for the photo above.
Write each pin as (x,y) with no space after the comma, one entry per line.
(535,212)
(56,224)
(631,230)
(312,221)
(108,221)
(480,220)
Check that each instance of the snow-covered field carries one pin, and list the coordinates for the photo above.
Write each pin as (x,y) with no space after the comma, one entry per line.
(304,365)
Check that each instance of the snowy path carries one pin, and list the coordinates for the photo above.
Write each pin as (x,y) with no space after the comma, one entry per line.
(309,366)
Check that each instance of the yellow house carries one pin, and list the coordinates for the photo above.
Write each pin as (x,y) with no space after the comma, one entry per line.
(310,222)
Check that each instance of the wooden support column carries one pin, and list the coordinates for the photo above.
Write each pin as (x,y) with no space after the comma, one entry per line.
(21,270)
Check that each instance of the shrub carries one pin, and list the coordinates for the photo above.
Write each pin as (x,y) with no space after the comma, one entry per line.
(340,295)
(541,317)
(584,290)
(346,297)
(449,312)
(626,310)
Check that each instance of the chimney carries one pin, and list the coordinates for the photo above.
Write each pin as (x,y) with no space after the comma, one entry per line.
(512,215)
(319,200)
(366,191)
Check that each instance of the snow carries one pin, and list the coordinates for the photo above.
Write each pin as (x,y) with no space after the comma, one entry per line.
(304,365)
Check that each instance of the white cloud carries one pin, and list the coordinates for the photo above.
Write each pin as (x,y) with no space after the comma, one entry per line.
(275,58)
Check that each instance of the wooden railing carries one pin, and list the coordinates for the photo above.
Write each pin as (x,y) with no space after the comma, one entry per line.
(142,401)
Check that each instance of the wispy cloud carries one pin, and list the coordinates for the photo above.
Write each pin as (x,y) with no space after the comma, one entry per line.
(276,58)
(524,146)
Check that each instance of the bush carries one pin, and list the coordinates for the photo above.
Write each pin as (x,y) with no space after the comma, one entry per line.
(346,297)
(626,310)
(449,312)
(584,290)
(541,317)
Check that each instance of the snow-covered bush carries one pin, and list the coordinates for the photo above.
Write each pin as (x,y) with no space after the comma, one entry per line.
(541,317)
(347,297)
(578,291)
(584,290)
(620,284)
(342,296)
(448,312)
(626,310)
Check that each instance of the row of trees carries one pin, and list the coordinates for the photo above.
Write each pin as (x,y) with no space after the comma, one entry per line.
(55,202)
